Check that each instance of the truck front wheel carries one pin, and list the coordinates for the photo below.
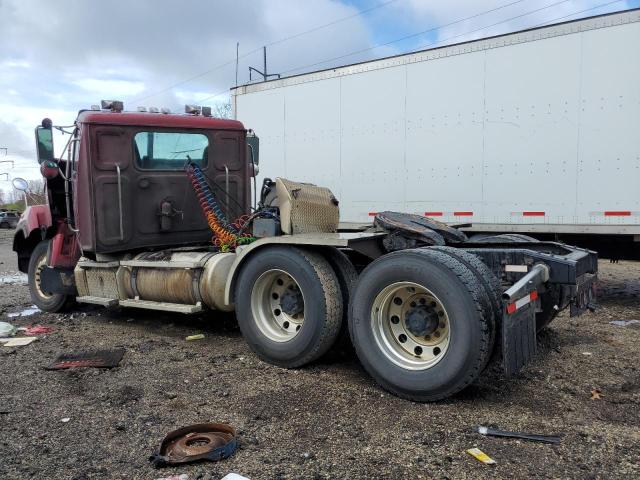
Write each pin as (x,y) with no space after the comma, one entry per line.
(289,305)
(47,302)
(420,324)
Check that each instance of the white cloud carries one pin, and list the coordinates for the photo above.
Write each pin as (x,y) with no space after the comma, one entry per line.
(110,88)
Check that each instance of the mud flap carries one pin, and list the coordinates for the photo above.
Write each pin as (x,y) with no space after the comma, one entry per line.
(518,338)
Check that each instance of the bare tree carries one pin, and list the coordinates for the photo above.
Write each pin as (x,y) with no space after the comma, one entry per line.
(36,192)
(222,110)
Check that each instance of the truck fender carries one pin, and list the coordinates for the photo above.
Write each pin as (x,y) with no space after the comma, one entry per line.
(357,241)
(31,229)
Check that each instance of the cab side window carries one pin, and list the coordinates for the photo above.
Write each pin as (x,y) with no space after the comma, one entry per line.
(169,150)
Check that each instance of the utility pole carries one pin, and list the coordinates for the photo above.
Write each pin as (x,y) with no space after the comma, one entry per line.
(264,74)
(237,59)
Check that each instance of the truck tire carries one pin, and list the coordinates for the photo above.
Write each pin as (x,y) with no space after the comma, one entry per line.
(288,305)
(347,278)
(550,299)
(491,284)
(420,323)
(54,302)
(4,225)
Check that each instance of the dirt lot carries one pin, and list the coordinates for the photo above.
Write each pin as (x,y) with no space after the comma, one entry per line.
(325,421)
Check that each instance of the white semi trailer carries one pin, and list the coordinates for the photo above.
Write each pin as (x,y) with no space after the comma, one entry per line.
(533,132)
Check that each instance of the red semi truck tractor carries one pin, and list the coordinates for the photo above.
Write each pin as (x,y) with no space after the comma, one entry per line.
(161,211)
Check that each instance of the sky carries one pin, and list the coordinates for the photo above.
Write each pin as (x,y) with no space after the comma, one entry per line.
(59,57)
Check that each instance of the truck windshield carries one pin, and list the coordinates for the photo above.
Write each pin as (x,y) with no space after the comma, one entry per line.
(169,150)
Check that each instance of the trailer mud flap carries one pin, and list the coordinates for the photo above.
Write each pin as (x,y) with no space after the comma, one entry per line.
(518,336)
(583,294)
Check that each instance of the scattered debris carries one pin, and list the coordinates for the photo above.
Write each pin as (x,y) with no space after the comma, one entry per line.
(37,330)
(25,313)
(234,476)
(65,419)
(7,330)
(481,456)
(96,359)
(204,441)
(494,432)
(19,341)
(182,476)
(623,323)
(596,394)
(587,353)
(199,336)
(13,278)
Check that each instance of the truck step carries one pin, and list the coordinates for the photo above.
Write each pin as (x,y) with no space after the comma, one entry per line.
(105,302)
(163,306)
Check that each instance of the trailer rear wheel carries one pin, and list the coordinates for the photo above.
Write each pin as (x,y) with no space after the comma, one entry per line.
(288,305)
(420,324)
(47,302)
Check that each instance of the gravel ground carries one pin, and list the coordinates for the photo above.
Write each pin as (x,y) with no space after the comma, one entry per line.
(328,420)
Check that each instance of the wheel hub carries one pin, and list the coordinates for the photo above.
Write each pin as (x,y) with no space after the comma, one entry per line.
(411,325)
(421,320)
(278,305)
(291,301)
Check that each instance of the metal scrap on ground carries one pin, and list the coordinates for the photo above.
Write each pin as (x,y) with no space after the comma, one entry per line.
(96,359)
(203,441)
(494,432)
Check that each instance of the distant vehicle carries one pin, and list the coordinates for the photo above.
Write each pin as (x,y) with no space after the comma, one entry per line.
(534,132)
(9,219)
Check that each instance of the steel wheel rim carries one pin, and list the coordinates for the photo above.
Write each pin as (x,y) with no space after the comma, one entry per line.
(402,337)
(40,265)
(271,308)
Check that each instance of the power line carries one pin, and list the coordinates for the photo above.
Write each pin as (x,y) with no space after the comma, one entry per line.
(459,35)
(431,30)
(578,13)
(534,26)
(276,42)
(388,43)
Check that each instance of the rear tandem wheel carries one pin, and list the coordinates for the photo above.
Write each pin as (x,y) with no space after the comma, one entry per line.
(421,324)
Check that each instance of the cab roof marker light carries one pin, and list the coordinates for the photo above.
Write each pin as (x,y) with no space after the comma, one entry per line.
(206,111)
(142,109)
(154,110)
(95,108)
(166,111)
(113,105)
(192,109)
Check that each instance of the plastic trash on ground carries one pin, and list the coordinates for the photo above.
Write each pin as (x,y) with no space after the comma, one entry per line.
(481,456)
(19,341)
(199,336)
(7,330)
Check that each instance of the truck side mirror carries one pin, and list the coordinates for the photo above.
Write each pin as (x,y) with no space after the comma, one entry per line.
(253,146)
(44,141)
(253,151)
(20,184)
